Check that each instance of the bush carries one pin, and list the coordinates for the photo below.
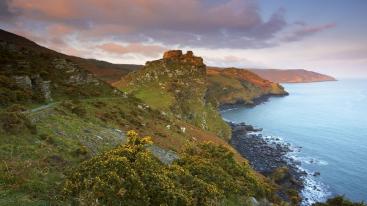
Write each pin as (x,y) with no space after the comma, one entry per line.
(81,151)
(47,138)
(131,175)
(16,122)
(75,107)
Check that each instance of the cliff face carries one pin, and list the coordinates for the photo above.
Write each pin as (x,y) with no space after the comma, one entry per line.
(177,84)
(292,75)
(234,86)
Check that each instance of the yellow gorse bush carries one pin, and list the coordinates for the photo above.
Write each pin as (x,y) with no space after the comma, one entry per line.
(206,174)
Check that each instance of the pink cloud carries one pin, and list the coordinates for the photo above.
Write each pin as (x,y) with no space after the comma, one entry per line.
(180,23)
(147,50)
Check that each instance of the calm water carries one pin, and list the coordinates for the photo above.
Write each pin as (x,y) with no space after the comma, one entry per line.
(329,121)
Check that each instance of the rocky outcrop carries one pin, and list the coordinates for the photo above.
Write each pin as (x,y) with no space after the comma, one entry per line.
(23,81)
(36,84)
(188,57)
(76,76)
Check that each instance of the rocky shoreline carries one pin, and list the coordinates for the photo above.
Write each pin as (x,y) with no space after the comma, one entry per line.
(269,157)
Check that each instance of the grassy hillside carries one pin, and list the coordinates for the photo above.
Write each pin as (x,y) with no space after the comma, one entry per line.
(233,86)
(58,120)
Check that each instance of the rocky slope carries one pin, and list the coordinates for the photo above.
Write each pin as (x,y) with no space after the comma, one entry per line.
(176,84)
(292,75)
(33,74)
(231,86)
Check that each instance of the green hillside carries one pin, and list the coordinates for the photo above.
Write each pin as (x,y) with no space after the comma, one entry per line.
(58,119)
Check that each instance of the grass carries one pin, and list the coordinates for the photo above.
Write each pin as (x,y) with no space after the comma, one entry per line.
(154,97)
(33,166)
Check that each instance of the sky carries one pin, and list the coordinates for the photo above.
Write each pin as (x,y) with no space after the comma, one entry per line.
(326,36)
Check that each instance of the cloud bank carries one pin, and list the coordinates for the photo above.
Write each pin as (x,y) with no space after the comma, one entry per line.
(144,24)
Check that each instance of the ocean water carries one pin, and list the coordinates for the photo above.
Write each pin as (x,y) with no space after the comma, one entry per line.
(327,122)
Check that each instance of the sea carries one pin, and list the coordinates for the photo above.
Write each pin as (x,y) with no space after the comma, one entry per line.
(326,125)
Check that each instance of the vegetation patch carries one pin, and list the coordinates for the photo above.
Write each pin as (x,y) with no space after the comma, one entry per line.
(130,175)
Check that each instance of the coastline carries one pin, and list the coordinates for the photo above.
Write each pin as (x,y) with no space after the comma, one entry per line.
(267,156)
(256,101)
(266,153)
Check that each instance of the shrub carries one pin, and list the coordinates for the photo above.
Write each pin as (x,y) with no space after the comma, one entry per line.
(47,138)
(81,151)
(16,122)
(75,107)
(131,175)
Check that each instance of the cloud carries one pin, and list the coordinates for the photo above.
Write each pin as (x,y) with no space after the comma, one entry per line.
(354,54)
(231,61)
(134,48)
(5,12)
(235,24)
(304,30)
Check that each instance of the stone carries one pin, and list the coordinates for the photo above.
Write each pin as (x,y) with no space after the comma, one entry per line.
(23,81)
(183,129)
(42,87)
(251,201)
(45,90)
(164,155)
(172,54)
(316,174)
(189,54)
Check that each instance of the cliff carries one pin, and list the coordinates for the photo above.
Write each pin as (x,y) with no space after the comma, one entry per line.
(292,75)
(177,84)
(239,86)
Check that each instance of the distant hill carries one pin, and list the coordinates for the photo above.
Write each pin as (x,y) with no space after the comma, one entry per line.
(230,86)
(105,71)
(292,75)
(30,73)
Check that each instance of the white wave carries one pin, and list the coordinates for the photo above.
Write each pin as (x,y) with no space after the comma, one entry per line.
(314,190)
(311,160)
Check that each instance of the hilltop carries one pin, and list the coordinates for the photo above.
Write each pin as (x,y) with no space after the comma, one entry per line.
(292,75)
